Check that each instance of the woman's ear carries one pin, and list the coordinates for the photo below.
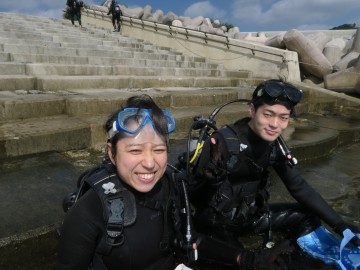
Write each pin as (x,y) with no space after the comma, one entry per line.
(110,153)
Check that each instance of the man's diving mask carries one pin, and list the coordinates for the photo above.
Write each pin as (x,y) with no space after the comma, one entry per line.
(275,89)
(126,118)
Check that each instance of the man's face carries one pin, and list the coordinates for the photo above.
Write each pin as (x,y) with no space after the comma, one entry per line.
(269,121)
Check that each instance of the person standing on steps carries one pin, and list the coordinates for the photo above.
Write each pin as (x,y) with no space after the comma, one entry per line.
(79,5)
(74,9)
(115,12)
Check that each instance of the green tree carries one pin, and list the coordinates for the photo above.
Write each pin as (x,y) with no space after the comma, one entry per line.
(344,27)
(66,14)
(227,25)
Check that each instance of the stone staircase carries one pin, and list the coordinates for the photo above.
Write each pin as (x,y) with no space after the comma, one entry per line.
(58,82)
(44,53)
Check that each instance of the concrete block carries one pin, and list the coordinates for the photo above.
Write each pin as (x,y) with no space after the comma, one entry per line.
(320,39)
(356,43)
(345,81)
(276,41)
(26,105)
(347,61)
(16,82)
(12,69)
(310,56)
(42,135)
(333,50)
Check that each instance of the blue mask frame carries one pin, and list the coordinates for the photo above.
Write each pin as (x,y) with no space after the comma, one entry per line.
(142,117)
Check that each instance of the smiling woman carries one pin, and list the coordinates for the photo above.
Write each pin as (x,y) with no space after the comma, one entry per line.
(132,190)
(140,156)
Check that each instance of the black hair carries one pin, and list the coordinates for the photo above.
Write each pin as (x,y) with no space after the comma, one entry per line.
(259,100)
(141,102)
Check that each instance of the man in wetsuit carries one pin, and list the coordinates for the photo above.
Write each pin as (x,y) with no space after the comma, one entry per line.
(115,12)
(230,185)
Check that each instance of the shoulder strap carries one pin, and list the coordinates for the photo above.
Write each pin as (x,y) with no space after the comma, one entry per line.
(119,206)
(232,139)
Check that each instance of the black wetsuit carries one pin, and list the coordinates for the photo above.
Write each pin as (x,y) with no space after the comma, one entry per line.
(236,202)
(84,227)
(74,7)
(115,12)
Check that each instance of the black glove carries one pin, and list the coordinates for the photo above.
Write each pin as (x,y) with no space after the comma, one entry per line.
(340,227)
(267,259)
(215,169)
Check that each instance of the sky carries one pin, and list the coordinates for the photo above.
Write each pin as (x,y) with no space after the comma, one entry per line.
(248,15)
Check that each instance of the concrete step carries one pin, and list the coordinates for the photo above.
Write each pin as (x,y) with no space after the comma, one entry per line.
(41,69)
(36,135)
(33,126)
(116,53)
(56,83)
(30,119)
(93,60)
(25,35)
(15,105)
(81,38)
(22,104)
(7,44)
(69,83)
(15,82)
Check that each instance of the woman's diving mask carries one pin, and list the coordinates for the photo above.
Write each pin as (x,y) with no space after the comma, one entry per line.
(132,120)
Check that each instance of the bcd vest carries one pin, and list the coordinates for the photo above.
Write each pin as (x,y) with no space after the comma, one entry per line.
(245,189)
(119,208)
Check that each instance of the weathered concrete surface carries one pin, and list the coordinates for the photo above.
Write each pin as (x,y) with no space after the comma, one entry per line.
(310,56)
(260,60)
(333,50)
(33,250)
(30,242)
(271,39)
(345,81)
(36,188)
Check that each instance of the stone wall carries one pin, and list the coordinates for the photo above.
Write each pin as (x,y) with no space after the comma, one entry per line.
(328,59)
(262,61)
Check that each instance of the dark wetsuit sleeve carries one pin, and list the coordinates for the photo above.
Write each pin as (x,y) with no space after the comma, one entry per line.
(79,233)
(306,195)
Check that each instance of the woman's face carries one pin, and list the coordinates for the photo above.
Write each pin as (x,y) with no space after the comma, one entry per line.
(269,121)
(141,158)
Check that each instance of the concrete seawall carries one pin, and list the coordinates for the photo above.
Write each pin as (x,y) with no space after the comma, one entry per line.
(59,83)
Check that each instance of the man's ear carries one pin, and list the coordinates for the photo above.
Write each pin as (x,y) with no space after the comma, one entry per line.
(110,153)
(251,110)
